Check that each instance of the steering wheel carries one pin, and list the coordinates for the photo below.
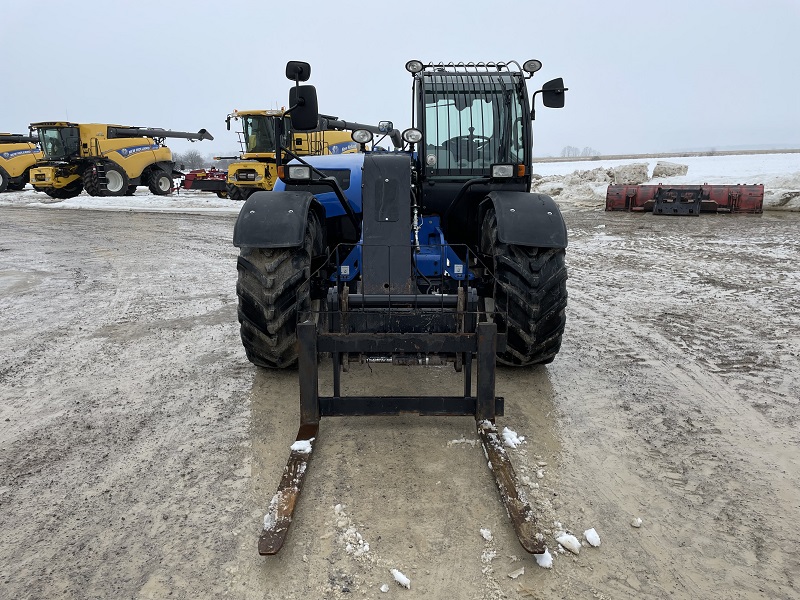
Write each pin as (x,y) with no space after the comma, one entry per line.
(466,147)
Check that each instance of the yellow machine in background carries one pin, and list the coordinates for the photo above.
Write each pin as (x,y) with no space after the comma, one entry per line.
(18,153)
(258,138)
(105,160)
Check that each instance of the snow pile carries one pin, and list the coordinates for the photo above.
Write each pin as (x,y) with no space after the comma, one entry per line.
(302,446)
(569,541)
(592,537)
(486,534)
(511,439)
(401,579)
(544,560)
(669,169)
(632,174)
(637,522)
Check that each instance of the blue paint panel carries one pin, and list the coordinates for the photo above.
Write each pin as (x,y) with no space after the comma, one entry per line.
(127,152)
(14,153)
(351,162)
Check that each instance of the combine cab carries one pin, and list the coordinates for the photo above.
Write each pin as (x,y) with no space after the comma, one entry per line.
(686,199)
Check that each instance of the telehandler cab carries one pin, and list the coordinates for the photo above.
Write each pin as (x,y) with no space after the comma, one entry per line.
(437,252)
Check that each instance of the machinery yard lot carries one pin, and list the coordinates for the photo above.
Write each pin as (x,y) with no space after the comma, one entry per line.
(139,448)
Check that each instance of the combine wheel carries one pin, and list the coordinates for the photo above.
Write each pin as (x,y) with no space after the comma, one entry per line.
(116,180)
(90,182)
(3,180)
(15,186)
(70,190)
(221,194)
(529,299)
(274,290)
(238,193)
(161,182)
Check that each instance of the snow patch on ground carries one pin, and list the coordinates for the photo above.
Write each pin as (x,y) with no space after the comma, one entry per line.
(401,579)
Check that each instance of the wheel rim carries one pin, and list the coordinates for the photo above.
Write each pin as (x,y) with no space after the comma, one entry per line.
(113,181)
(164,183)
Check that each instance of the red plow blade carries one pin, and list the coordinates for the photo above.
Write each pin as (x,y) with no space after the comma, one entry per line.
(686,199)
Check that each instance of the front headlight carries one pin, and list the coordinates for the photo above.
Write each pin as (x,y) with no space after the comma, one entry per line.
(502,171)
(299,172)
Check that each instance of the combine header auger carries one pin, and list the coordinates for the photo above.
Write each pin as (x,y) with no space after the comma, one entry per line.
(433,253)
(18,153)
(106,160)
(685,200)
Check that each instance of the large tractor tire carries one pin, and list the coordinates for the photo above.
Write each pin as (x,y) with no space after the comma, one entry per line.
(161,182)
(238,193)
(16,186)
(274,290)
(529,299)
(116,180)
(3,180)
(90,182)
(70,190)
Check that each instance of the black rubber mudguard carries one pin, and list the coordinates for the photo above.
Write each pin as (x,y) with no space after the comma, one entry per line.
(274,220)
(525,219)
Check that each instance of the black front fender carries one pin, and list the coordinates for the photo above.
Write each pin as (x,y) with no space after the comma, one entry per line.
(525,219)
(275,219)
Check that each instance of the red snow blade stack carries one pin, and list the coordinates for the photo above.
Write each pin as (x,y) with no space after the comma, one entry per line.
(686,199)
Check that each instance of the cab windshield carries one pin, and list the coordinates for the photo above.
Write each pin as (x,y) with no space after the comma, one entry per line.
(472,122)
(59,143)
(259,133)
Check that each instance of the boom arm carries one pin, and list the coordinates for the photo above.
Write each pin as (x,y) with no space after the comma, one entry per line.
(328,123)
(130,132)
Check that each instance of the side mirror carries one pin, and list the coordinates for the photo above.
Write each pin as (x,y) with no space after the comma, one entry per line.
(303,107)
(297,70)
(385,126)
(553,93)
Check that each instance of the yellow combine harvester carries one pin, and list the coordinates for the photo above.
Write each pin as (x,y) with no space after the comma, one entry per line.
(18,153)
(257,170)
(105,160)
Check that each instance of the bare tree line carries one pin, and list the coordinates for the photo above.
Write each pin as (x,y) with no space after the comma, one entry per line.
(573,151)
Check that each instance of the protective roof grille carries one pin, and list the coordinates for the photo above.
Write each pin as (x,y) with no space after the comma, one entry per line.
(472,66)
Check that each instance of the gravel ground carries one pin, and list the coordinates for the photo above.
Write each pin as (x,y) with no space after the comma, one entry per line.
(139,448)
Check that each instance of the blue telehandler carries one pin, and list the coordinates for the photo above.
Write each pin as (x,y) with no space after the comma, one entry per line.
(432,252)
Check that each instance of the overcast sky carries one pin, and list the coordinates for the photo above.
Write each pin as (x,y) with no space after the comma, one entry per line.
(642,76)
